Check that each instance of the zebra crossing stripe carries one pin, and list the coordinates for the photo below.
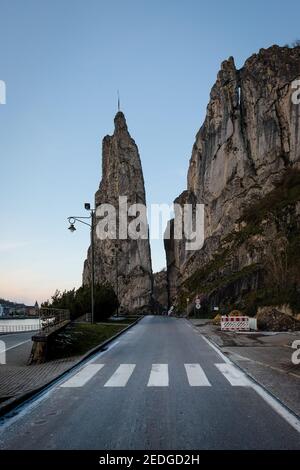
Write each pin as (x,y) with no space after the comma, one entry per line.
(83,376)
(159,376)
(196,376)
(234,376)
(121,376)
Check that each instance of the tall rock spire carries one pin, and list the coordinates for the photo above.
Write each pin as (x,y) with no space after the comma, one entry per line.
(125,264)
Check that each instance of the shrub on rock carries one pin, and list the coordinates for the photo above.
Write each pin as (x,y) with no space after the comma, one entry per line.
(271,319)
(217,320)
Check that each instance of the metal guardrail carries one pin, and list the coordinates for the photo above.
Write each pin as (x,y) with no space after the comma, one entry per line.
(48,319)
(52,318)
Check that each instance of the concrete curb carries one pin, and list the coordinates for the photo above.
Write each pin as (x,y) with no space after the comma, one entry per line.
(251,377)
(14,403)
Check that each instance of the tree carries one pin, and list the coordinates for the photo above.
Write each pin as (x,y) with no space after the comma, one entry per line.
(78,302)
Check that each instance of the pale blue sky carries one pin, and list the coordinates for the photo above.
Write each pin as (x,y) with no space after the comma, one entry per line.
(62,61)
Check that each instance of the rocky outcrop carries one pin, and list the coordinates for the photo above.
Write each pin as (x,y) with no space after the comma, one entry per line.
(123,263)
(160,291)
(249,139)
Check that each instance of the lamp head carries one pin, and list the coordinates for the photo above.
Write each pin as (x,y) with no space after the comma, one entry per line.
(87,206)
(72,228)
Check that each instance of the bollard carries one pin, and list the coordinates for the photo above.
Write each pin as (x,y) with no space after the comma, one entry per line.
(2,352)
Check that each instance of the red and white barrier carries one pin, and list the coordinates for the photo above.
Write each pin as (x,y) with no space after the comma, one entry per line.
(235,323)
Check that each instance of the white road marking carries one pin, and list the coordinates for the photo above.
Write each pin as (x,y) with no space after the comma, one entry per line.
(196,376)
(17,345)
(234,375)
(159,376)
(277,406)
(288,416)
(225,358)
(110,346)
(121,376)
(27,407)
(83,376)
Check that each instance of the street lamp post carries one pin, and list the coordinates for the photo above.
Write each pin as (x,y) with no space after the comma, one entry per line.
(117,279)
(93,264)
(72,229)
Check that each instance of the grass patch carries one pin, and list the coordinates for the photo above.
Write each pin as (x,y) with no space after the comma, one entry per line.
(77,339)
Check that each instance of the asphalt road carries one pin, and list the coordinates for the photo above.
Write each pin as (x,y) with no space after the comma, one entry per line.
(158,386)
(17,347)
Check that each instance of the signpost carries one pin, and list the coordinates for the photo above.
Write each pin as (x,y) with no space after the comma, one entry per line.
(198,302)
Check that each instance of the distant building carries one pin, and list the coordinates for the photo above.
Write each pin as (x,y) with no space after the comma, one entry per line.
(13,309)
(32,311)
(19,310)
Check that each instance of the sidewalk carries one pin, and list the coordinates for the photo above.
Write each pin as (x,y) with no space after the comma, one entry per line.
(18,379)
(266,357)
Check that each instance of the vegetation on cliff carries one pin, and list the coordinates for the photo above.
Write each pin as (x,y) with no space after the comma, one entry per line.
(267,232)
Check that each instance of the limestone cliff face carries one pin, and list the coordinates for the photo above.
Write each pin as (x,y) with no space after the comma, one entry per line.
(160,291)
(249,138)
(124,264)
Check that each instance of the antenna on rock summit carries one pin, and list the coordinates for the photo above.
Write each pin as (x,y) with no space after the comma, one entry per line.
(118,101)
